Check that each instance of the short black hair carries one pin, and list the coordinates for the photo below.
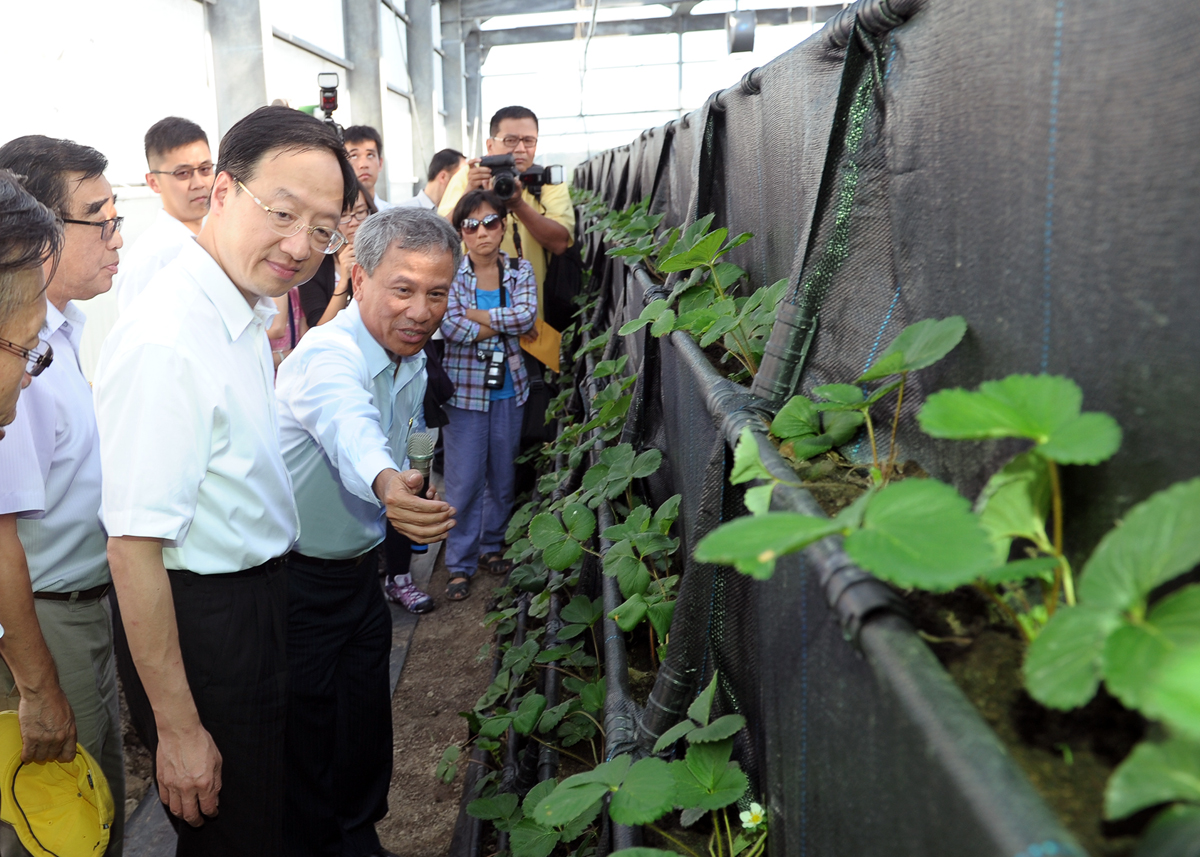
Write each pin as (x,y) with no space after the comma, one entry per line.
(446,159)
(514,112)
(273,129)
(44,163)
(471,200)
(171,133)
(359,133)
(30,234)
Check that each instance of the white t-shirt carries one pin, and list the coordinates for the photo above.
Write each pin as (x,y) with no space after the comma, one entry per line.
(382,204)
(189,430)
(157,246)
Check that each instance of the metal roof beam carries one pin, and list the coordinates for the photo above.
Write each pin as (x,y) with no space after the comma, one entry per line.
(495,8)
(654,26)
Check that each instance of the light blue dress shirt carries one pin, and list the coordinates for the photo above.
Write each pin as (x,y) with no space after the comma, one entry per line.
(50,468)
(346,409)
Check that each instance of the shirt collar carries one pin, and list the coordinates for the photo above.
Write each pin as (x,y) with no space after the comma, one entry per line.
(377,357)
(71,316)
(168,222)
(231,306)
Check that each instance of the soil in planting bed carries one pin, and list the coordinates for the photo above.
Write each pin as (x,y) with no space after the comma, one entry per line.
(1068,755)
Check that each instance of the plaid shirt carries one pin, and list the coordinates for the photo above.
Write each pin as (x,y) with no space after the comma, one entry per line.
(514,318)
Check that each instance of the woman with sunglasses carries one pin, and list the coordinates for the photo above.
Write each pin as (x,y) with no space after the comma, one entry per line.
(493,301)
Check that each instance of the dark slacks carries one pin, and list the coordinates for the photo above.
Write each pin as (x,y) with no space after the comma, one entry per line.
(339,727)
(232,635)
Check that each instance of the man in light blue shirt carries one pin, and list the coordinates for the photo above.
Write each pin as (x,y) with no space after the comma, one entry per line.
(58,669)
(349,396)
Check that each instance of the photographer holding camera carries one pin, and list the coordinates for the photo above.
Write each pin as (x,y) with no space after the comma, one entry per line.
(491,305)
(543,220)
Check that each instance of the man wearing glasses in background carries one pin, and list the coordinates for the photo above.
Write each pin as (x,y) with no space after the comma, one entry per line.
(541,224)
(181,172)
(54,575)
(197,501)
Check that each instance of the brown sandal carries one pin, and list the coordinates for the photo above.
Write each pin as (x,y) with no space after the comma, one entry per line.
(494,562)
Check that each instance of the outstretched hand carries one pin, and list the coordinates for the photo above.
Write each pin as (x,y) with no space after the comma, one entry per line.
(424,520)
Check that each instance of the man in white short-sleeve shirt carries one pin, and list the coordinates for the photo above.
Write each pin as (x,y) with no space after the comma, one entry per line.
(181,172)
(197,500)
(58,668)
(349,397)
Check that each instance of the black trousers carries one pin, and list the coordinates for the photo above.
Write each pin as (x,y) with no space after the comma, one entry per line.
(339,725)
(232,635)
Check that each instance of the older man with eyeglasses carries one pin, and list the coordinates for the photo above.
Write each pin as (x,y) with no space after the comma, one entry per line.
(198,502)
(181,173)
(54,575)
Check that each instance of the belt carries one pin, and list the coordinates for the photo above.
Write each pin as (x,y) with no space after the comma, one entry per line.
(268,566)
(81,595)
(352,562)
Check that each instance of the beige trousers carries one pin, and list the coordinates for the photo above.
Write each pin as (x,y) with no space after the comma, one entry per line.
(79,636)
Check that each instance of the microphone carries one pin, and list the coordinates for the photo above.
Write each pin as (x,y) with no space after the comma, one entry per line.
(420,456)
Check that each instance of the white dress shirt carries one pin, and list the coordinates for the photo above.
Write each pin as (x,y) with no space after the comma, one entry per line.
(50,468)
(421,200)
(345,413)
(189,431)
(154,248)
(382,204)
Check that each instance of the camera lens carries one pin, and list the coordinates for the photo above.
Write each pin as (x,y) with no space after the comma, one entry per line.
(504,185)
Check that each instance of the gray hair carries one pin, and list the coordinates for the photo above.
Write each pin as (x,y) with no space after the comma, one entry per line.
(414,229)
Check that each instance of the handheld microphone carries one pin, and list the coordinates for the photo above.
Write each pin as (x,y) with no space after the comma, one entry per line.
(420,456)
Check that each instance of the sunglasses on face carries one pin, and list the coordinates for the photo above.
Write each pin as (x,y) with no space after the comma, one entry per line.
(470,225)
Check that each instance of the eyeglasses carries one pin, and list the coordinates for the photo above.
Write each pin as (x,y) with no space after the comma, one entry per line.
(471,225)
(37,361)
(511,141)
(323,239)
(184,174)
(356,216)
(107,227)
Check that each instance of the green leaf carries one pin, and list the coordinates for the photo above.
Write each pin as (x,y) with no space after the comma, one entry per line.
(545,530)
(551,717)
(666,514)
(1022,569)
(649,315)
(1135,651)
(918,345)
(1015,502)
(1174,832)
(797,418)
(663,325)
(881,392)
(646,795)
(1175,695)
(579,826)
(706,762)
(563,555)
(580,521)
(646,464)
(1154,773)
(804,448)
(701,706)
(592,695)
(673,734)
(718,730)
(752,544)
(1088,439)
(535,795)
(631,573)
(660,614)
(583,610)
(703,252)
(747,464)
(528,713)
(643,852)
(921,532)
(758,499)
(841,426)
(1062,666)
(843,394)
(1158,540)
(530,839)
(1043,408)
(492,808)
(635,522)
(630,614)
(446,767)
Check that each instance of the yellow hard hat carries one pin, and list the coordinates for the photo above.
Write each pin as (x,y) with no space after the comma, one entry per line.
(58,809)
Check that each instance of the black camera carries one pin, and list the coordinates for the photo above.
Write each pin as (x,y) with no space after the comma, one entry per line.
(493,375)
(328,82)
(504,175)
